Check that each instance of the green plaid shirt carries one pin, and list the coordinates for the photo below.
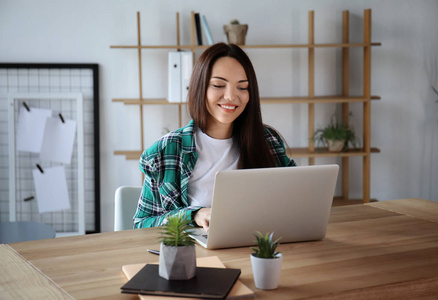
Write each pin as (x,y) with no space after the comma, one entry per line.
(168,165)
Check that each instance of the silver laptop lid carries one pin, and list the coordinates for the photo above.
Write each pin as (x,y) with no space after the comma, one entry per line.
(293,202)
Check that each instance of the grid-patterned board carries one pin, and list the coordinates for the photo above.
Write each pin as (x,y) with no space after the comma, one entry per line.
(52,78)
(25,162)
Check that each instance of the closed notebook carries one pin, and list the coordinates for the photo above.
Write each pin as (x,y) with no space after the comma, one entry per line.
(213,283)
(239,290)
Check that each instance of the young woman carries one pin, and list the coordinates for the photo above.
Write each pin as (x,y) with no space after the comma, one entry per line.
(226,133)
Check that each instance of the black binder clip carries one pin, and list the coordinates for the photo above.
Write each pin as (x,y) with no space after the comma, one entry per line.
(39,168)
(61,117)
(26,106)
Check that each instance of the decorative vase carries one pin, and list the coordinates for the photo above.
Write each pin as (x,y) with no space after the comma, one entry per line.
(177,263)
(335,145)
(236,33)
(266,271)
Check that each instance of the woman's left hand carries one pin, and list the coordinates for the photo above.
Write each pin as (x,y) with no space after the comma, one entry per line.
(202,218)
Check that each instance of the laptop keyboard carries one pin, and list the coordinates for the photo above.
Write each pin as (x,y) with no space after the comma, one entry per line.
(198,232)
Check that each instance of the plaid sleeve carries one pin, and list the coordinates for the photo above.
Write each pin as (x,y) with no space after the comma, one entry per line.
(278,148)
(149,211)
(161,193)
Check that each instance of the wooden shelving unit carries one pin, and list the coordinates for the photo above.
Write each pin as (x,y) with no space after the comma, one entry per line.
(310,152)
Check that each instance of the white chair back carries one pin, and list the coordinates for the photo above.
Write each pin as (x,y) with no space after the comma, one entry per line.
(126,199)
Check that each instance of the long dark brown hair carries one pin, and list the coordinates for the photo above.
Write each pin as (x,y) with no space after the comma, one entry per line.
(248,127)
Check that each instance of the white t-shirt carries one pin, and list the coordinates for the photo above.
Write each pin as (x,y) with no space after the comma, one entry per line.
(213,156)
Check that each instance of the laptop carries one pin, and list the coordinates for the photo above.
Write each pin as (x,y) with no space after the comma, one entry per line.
(292,202)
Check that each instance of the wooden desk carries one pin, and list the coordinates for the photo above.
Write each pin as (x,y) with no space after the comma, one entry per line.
(373,251)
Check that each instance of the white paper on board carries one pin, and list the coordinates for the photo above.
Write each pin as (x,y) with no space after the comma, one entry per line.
(30,128)
(51,189)
(58,140)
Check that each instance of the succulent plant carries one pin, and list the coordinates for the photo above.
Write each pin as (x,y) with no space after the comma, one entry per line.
(174,233)
(266,245)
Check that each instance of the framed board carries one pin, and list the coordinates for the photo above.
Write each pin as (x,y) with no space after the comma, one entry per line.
(62,209)
(55,87)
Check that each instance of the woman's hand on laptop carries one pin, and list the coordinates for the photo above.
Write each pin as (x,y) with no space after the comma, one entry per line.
(202,218)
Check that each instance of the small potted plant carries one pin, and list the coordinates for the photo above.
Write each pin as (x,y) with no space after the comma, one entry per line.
(337,136)
(266,262)
(236,32)
(177,250)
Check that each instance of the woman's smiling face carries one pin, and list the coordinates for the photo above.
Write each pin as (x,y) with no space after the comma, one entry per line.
(227,95)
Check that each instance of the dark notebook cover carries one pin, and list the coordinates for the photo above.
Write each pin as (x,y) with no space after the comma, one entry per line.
(208,283)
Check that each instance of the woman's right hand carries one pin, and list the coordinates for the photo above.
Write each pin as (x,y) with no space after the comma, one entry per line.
(202,218)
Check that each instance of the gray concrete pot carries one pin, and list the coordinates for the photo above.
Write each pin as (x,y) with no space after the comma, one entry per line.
(177,263)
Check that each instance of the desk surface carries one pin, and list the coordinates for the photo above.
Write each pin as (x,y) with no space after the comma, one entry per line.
(370,251)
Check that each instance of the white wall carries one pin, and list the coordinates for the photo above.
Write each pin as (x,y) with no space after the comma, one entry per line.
(404,122)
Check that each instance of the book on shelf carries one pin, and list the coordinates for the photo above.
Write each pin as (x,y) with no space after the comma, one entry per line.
(174,77)
(198,28)
(207,30)
(186,73)
(180,70)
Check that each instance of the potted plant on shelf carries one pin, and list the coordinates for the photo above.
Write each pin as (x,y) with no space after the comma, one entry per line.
(177,250)
(337,136)
(266,262)
(236,32)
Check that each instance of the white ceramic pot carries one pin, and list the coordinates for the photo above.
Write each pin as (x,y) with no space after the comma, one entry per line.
(266,271)
(177,263)
(335,145)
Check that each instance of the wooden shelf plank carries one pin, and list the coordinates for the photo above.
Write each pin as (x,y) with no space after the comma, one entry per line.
(190,47)
(156,47)
(331,45)
(263,100)
(291,152)
(157,101)
(321,99)
(129,154)
(323,152)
